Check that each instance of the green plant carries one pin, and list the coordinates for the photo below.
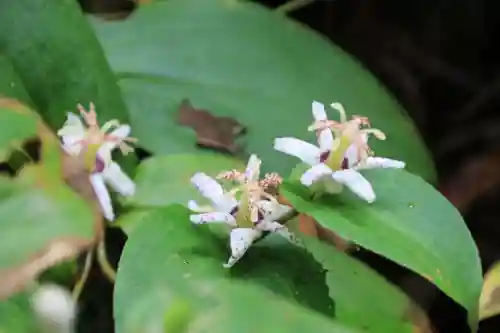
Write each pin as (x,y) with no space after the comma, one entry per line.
(235,59)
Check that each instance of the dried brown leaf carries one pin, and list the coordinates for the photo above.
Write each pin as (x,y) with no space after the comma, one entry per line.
(218,133)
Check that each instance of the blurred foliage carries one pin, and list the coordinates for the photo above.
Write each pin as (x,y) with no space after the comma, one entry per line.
(263,74)
(234,59)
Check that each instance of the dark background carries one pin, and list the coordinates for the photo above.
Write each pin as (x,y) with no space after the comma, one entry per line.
(440,58)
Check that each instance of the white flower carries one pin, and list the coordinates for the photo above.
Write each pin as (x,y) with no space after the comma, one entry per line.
(76,137)
(336,162)
(54,308)
(255,213)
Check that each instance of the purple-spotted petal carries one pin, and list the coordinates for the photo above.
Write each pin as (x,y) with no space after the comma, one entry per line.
(240,241)
(207,186)
(215,217)
(279,229)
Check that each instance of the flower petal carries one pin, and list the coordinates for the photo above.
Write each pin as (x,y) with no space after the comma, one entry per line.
(352,153)
(120,132)
(252,172)
(207,186)
(102,196)
(71,133)
(325,140)
(73,126)
(193,205)
(306,152)
(214,217)
(213,191)
(352,156)
(118,180)
(240,241)
(280,229)
(315,173)
(356,183)
(271,210)
(318,111)
(380,162)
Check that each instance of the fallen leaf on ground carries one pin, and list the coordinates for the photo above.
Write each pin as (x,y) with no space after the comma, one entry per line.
(218,133)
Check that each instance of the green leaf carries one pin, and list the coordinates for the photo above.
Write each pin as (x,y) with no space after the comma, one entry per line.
(42,221)
(411,224)
(356,288)
(17,124)
(164,180)
(221,307)
(60,62)
(240,59)
(16,315)
(58,58)
(178,252)
(10,82)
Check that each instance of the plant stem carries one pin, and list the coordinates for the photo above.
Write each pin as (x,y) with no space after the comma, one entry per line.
(292,5)
(102,258)
(77,290)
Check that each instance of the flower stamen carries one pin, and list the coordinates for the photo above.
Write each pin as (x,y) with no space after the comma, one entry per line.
(96,135)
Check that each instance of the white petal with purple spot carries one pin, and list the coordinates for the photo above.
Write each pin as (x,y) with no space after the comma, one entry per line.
(240,241)
(214,217)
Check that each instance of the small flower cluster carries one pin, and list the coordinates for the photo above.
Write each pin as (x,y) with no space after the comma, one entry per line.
(342,151)
(96,146)
(250,207)
(256,211)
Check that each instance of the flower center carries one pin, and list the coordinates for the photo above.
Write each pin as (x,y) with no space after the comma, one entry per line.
(99,164)
(236,210)
(324,156)
(345,164)
(335,158)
